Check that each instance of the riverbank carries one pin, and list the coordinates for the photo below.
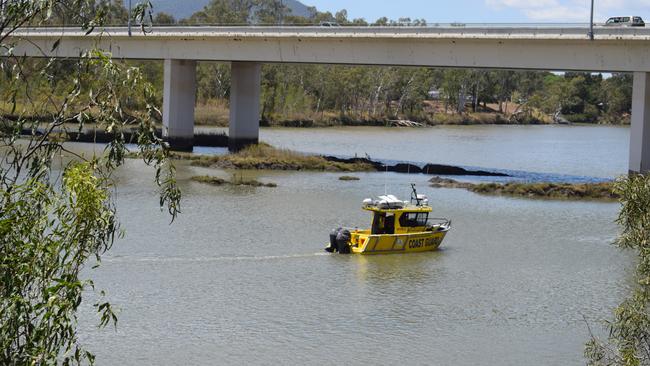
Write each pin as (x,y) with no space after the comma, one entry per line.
(216,114)
(217,117)
(584,191)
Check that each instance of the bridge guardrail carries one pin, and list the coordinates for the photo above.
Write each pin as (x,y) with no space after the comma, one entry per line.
(474,29)
(390,25)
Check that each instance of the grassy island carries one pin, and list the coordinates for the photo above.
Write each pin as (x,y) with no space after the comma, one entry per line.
(582,191)
(349,178)
(266,157)
(216,181)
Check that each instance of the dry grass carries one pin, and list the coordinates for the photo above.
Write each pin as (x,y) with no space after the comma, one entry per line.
(216,181)
(596,191)
(215,112)
(266,157)
(349,178)
(212,113)
(588,191)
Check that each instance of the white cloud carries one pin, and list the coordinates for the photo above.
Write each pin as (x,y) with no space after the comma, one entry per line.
(564,11)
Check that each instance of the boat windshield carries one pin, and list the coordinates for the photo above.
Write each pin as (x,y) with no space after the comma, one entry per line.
(414,219)
(383,223)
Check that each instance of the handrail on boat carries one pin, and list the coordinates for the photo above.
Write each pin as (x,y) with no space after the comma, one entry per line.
(438,221)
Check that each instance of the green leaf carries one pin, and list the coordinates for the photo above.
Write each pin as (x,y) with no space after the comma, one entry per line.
(56,44)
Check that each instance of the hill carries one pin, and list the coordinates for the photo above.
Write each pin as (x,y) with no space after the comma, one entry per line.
(184,9)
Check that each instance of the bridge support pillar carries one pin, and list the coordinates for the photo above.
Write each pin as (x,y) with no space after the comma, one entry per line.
(640,131)
(178,103)
(244,128)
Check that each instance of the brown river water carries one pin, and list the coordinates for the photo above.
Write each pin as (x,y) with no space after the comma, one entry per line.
(241,277)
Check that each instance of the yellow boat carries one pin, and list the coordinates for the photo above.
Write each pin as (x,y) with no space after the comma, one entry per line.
(397,227)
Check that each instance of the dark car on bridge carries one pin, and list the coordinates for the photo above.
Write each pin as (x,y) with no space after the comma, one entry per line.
(632,21)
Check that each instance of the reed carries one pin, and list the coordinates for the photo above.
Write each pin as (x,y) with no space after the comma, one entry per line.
(216,181)
(349,178)
(265,157)
(581,191)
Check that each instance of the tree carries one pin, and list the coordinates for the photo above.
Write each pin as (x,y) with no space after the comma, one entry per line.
(163,18)
(341,17)
(56,206)
(270,11)
(383,21)
(617,94)
(223,12)
(628,343)
(455,85)
(241,12)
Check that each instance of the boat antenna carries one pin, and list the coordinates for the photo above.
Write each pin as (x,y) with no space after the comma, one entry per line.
(386,181)
(414,195)
(408,170)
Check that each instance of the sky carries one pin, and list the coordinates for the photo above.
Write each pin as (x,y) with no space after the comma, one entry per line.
(487,11)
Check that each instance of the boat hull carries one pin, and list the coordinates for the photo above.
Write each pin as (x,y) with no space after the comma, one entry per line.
(397,243)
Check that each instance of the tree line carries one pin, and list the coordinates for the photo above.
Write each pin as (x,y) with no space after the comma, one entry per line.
(377,94)
(373,93)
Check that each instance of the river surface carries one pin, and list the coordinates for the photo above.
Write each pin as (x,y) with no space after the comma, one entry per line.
(241,277)
(593,151)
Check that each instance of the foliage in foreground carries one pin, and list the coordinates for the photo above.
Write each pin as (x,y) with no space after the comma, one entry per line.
(628,343)
(57,208)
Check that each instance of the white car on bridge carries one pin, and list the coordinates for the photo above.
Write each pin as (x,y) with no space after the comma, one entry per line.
(631,21)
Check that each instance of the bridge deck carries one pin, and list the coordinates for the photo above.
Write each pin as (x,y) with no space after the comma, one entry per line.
(458,32)
(535,48)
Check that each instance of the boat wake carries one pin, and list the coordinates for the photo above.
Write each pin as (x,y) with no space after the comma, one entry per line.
(130,259)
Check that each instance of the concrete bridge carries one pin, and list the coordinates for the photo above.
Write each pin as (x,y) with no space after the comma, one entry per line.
(521,47)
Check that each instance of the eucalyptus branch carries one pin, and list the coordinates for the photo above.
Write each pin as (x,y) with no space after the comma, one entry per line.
(51,224)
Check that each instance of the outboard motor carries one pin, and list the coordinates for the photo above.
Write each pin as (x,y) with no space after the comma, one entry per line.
(333,245)
(342,241)
(339,241)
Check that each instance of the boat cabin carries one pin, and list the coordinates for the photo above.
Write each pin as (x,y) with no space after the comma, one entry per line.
(391,216)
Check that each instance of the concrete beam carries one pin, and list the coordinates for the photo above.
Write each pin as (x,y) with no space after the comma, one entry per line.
(614,49)
(640,131)
(244,104)
(178,103)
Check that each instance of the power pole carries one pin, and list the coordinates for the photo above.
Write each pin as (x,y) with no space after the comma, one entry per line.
(591,22)
(129,22)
